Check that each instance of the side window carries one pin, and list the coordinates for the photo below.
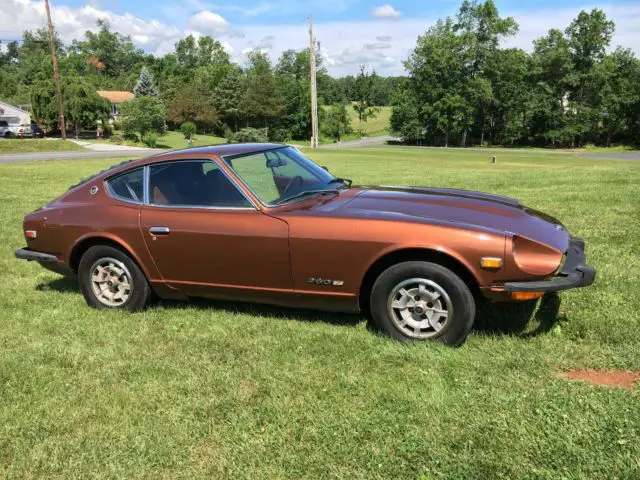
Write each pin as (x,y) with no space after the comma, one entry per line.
(255,172)
(128,186)
(193,184)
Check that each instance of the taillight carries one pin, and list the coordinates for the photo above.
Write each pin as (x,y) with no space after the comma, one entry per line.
(30,234)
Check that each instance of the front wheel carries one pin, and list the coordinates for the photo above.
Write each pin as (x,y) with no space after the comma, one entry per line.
(421,300)
(111,279)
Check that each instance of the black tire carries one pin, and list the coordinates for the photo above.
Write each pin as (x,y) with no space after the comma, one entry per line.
(140,292)
(452,293)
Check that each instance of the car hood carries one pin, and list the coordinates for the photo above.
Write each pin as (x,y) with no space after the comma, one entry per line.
(461,207)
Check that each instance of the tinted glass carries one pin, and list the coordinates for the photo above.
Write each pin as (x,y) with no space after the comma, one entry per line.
(193,184)
(128,186)
(275,175)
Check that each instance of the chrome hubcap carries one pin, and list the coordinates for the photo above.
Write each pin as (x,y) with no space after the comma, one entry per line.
(419,308)
(111,282)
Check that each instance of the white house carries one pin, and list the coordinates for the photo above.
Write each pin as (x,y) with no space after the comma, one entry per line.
(13,115)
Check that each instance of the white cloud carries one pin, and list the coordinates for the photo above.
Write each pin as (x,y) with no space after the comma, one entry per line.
(344,45)
(386,11)
(19,15)
(209,22)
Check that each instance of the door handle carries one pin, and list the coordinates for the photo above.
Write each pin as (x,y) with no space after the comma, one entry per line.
(159,230)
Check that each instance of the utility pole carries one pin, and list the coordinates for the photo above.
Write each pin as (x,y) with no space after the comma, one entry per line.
(314,93)
(56,79)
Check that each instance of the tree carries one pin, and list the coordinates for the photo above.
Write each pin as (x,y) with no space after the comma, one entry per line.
(405,115)
(337,123)
(188,129)
(142,115)
(83,106)
(116,53)
(192,53)
(226,98)
(193,103)
(262,102)
(145,86)
(364,95)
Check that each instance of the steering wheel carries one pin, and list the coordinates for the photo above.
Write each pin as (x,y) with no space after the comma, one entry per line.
(291,182)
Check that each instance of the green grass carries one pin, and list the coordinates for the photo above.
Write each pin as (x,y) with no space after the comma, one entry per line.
(27,145)
(176,140)
(374,127)
(214,390)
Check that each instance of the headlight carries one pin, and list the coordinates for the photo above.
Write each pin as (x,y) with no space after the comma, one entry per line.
(535,258)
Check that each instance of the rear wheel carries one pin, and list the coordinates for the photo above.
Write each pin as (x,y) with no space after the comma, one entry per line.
(110,279)
(420,301)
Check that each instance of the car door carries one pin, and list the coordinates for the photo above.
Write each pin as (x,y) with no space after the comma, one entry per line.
(207,238)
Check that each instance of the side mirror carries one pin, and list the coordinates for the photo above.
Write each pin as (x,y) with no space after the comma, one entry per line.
(276,162)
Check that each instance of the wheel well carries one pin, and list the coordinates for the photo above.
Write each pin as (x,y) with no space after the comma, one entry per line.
(80,249)
(413,254)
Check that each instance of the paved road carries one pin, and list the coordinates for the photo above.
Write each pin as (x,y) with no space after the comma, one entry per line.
(23,157)
(635,155)
(363,142)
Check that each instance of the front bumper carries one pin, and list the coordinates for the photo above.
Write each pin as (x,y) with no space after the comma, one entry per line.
(573,274)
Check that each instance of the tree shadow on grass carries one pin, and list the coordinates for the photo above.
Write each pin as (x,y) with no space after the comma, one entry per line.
(514,319)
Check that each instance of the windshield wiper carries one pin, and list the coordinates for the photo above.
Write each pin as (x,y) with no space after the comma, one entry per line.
(308,192)
(344,181)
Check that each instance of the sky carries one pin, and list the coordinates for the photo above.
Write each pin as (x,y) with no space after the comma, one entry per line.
(351,32)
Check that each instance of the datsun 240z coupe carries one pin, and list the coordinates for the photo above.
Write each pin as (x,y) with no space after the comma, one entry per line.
(262,223)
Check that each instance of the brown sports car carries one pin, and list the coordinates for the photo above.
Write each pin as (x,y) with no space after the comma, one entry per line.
(262,223)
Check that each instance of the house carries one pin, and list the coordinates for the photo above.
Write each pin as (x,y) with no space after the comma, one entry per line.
(14,116)
(116,97)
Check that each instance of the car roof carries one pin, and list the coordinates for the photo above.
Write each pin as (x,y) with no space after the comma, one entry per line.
(184,154)
(220,150)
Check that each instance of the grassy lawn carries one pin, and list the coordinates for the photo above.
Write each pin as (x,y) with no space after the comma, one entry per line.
(374,127)
(215,390)
(27,145)
(175,140)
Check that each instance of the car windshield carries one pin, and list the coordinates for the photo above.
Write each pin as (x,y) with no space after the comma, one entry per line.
(281,175)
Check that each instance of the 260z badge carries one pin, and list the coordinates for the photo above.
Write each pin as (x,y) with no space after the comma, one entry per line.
(325,281)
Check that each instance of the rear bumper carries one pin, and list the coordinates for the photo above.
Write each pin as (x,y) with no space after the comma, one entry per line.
(30,255)
(573,274)
(48,261)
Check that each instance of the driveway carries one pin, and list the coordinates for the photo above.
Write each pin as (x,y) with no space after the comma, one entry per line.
(363,142)
(93,150)
(635,155)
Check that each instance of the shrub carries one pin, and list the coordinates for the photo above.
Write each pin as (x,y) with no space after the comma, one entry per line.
(229,135)
(142,115)
(252,135)
(116,139)
(150,139)
(107,130)
(188,129)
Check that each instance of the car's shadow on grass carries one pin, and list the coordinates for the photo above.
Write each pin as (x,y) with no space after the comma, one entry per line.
(522,319)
